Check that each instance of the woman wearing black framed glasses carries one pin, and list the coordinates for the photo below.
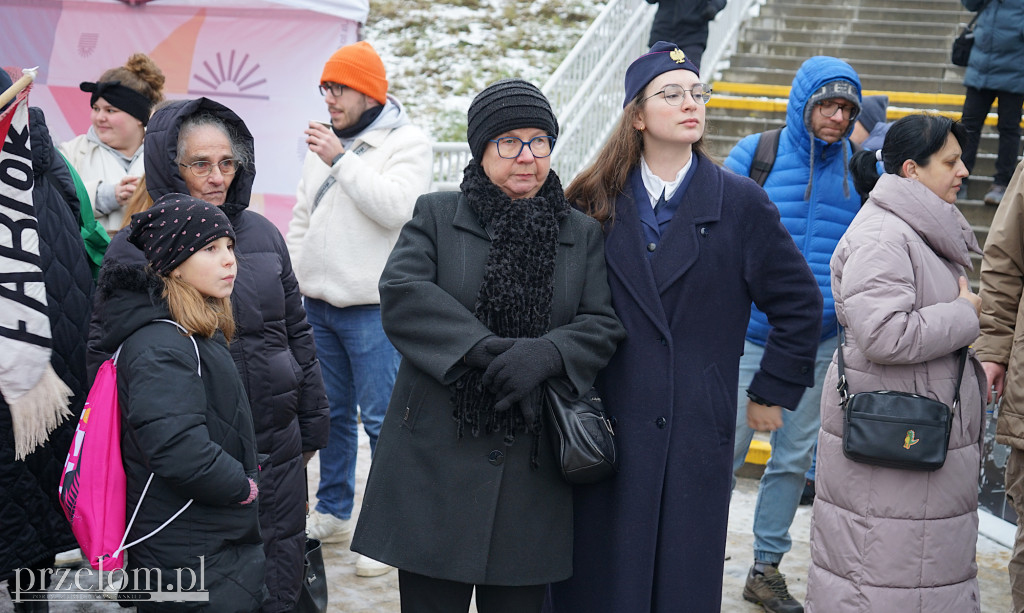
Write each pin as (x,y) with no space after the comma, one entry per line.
(489,294)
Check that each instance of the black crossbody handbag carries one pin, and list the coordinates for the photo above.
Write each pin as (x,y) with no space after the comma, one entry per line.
(896,429)
(584,440)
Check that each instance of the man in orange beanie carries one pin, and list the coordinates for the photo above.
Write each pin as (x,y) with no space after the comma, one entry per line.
(360,181)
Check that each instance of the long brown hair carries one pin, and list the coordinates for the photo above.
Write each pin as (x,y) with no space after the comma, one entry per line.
(197,313)
(595,189)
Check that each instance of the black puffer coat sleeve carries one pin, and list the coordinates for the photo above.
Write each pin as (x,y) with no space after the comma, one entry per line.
(167,412)
(312,409)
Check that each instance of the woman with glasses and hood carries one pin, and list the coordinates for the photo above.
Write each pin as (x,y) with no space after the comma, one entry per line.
(202,148)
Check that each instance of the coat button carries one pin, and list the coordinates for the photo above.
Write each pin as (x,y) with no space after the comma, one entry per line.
(661,421)
(704,231)
(496,457)
(663,341)
(651,246)
(614,422)
(804,370)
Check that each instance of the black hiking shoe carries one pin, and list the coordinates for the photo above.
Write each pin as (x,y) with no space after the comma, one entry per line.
(769,590)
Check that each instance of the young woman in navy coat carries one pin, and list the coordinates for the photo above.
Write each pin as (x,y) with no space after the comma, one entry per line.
(683,275)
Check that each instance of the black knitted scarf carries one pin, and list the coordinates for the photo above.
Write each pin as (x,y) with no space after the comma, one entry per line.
(515,297)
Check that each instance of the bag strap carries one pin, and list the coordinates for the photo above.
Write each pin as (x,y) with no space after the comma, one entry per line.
(123,546)
(844,389)
(764,156)
(199,369)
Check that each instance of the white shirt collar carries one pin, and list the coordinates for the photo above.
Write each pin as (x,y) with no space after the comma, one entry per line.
(656,186)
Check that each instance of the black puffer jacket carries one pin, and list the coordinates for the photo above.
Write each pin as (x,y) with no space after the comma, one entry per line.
(32,524)
(273,348)
(194,433)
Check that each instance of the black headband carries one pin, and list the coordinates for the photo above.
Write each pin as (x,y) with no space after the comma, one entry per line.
(120,97)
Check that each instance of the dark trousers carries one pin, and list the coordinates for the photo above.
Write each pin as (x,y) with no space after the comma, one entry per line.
(422,594)
(977,104)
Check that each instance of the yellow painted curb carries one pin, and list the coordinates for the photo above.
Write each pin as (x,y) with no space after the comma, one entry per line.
(759,452)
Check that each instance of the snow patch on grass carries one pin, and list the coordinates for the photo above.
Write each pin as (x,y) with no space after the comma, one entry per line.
(439,55)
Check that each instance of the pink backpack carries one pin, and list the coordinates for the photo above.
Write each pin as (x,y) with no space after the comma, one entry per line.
(93,486)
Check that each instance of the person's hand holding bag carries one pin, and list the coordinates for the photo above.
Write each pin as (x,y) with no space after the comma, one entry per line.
(520,369)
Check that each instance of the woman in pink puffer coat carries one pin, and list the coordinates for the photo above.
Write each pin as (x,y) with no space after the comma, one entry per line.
(884,539)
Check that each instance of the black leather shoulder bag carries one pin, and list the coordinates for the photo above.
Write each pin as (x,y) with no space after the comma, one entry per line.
(896,429)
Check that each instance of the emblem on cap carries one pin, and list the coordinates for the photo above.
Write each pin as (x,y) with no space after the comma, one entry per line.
(677,55)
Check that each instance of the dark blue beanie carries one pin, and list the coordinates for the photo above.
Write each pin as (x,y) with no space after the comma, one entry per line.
(662,57)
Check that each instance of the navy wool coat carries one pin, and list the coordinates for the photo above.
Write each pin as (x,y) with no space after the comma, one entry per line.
(472,509)
(653,538)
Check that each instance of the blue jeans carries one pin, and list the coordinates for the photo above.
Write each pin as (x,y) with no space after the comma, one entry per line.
(792,449)
(359,365)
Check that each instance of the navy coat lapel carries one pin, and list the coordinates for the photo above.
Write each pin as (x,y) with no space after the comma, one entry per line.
(680,243)
(627,261)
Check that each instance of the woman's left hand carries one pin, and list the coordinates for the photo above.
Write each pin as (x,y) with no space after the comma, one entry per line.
(519,370)
(124,190)
(763,418)
(965,292)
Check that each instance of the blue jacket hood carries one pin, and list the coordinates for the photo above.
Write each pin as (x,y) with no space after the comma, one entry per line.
(813,74)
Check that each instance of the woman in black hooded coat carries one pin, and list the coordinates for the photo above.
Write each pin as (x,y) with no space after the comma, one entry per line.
(273,347)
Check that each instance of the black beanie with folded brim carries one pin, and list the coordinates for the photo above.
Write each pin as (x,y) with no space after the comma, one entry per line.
(509,104)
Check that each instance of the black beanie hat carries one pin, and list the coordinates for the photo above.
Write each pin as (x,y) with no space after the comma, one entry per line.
(174,228)
(506,105)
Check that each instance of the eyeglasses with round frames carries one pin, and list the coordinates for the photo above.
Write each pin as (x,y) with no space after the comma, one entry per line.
(335,88)
(828,108)
(509,147)
(674,94)
(202,168)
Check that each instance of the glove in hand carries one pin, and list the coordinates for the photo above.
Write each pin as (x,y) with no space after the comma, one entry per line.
(484,352)
(521,369)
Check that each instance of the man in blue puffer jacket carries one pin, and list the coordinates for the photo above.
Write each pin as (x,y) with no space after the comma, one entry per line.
(810,184)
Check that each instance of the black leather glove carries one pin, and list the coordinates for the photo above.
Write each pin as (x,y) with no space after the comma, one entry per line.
(483,353)
(520,369)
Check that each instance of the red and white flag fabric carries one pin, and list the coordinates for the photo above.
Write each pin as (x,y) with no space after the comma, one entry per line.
(37,397)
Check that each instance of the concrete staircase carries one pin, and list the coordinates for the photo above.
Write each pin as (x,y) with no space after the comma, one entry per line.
(898,49)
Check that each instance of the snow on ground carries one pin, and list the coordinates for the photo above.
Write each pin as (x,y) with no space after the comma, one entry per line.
(439,55)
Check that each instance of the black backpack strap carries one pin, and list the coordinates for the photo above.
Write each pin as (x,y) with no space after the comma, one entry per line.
(764,156)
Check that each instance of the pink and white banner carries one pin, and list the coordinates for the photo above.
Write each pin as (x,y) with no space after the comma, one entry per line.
(261,58)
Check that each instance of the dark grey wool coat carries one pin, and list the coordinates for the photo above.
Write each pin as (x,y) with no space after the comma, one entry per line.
(472,509)
(653,538)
